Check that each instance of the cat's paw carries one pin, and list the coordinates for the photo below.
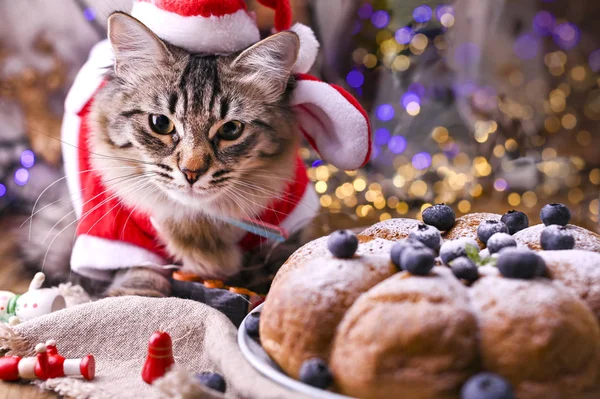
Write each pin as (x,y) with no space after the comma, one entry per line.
(221,265)
(139,281)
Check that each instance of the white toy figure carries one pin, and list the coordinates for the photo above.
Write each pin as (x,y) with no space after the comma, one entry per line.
(35,302)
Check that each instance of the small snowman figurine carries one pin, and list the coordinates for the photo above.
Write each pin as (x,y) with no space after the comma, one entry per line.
(35,302)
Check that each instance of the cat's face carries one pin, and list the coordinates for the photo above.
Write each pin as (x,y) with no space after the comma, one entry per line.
(203,126)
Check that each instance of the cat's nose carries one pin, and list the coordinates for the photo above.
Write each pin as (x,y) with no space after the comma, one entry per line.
(192,176)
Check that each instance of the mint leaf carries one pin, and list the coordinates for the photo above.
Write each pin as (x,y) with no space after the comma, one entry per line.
(473,253)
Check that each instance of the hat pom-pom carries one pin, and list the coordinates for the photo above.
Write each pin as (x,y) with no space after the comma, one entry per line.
(309,48)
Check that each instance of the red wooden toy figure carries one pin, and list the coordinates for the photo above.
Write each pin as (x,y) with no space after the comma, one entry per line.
(46,364)
(160,357)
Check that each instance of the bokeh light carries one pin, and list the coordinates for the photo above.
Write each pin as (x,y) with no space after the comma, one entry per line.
(355,79)
(380,19)
(397,144)
(27,158)
(21,176)
(422,13)
(404,35)
(2,190)
(566,35)
(385,112)
(382,136)
(421,160)
(527,47)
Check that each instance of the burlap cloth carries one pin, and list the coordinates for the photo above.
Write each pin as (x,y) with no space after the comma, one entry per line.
(116,332)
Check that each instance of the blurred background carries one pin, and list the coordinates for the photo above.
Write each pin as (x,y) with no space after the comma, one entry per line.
(485,105)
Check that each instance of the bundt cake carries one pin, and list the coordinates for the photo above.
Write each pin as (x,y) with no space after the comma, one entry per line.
(524,322)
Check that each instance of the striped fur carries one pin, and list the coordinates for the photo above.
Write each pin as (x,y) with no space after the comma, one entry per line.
(199,93)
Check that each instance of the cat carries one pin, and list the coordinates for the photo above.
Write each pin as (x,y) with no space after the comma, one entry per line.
(188,139)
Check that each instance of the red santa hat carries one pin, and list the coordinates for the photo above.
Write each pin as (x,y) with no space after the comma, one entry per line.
(219,26)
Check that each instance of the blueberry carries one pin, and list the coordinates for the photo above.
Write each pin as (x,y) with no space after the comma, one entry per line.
(555,214)
(417,261)
(520,263)
(401,246)
(439,216)
(487,386)
(453,249)
(555,237)
(252,324)
(342,243)
(515,221)
(499,241)
(212,380)
(315,372)
(465,269)
(428,235)
(488,228)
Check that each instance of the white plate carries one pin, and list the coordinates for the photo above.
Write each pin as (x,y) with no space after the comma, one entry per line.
(259,359)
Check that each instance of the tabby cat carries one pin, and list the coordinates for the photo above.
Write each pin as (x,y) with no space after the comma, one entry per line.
(204,136)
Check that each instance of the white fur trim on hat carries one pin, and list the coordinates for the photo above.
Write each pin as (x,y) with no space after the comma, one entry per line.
(197,34)
(338,130)
(309,48)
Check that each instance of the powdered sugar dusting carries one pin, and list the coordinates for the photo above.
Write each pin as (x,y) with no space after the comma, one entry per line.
(584,239)
(392,229)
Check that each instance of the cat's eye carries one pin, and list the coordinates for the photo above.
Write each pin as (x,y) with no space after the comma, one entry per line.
(231,130)
(161,124)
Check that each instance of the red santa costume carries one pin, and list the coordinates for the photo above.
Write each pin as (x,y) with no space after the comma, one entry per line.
(111,236)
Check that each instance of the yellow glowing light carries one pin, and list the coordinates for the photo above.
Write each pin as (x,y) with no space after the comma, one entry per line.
(529,199)
(477,190)
(347,189)
(392,202)
(419,41)
(366,209)
(548,154)
(370,60)
(375,186)
(379,203)
(360,184)
(399,181)
(464,206)
(383,35)
(557,103)
(481,136)
(552,124)
(440,43)
(594,207)
(461,159)
(584,137)
(418,188)
(595,176)
(575,195)
(447,20)
(425,206)
(385,216)
(348,172)
(325,200)
(322,173)
(321,187)
(578,73)
(389,47)
(499,151)
(511,145)
(304,153)
(350,202)
(440,134)
(578,162)
(402,208)
(371,195)
(335,206)
(514,199)
(358,55)
(413,108)
(401,63)
(538,141)
(569,121)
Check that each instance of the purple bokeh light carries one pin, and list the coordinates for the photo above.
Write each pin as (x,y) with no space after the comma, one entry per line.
(527,46)
(2,190)
(409,97)
(543,23)
(89,14)
(356,28)
(421,160)
(397,144)
(27,158)
(422,13)
(404,35)
(417,88)
(380,19)
(451,150)
(442,10)
(566,35)
(594,60)
(365,11)
(500,185)
(385,112)
(317,163)
(375,151)
(21,176)
(355,79)
(382,136)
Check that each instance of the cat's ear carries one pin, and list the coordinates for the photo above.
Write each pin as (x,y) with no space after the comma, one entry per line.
(268,63)
(136,47)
